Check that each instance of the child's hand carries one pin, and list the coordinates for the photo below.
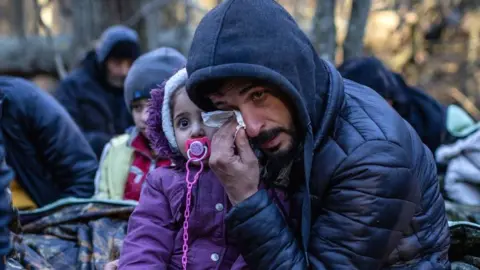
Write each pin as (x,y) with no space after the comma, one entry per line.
(239,173)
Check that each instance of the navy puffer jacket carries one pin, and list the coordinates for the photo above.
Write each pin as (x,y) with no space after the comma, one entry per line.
(368,195)
(43,146)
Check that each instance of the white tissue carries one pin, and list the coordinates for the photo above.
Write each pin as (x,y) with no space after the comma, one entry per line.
(216,119)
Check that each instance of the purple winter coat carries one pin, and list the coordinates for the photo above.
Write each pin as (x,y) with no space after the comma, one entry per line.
(155,229)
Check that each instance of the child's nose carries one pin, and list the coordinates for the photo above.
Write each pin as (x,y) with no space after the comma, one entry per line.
(145,114)
(198,131)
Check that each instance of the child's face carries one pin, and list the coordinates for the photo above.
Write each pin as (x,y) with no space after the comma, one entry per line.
(140,114)
(187,121)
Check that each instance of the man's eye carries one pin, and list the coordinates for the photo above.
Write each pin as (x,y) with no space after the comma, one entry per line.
(257,96)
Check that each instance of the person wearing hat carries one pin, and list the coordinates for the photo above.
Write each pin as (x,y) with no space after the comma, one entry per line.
(128,158)
(93,93)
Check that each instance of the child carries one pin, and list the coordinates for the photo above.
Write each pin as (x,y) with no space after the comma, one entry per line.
(155,236)
(128,158)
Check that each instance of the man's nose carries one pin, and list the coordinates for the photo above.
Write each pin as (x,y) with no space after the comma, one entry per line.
(253,122)
(125,68)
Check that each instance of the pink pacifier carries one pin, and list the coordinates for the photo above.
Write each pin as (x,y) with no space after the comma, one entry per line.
(198,149)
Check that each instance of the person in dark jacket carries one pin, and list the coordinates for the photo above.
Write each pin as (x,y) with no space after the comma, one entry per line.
(43,146)
(425,114)
(93,94)
(363,187)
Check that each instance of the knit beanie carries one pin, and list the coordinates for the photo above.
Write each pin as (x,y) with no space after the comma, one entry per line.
(149,71)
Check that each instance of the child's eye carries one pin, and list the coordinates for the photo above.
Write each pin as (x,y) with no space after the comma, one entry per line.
(258,96)
(136,107)
(183,123)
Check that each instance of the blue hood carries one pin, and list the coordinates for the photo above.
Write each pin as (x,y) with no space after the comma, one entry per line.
(114,35)
(241,38)
(259,39)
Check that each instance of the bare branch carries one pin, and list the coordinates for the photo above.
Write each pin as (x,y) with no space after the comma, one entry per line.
(58,58)
(466,103)
(146,9)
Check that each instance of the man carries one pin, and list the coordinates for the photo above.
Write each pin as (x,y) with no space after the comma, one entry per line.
(363,188)
(127,159)
(93,94)
(43,146)
(424,113)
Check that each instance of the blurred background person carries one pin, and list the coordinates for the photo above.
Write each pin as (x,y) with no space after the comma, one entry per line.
(128,158)
(93,94)
(424,113)
(43,146)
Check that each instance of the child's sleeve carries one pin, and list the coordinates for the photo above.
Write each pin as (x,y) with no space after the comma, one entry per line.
(150,238)
(101,185)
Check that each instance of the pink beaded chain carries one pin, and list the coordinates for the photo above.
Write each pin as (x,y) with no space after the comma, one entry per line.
(199,152)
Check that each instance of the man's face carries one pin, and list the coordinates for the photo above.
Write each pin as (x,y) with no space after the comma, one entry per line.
(117,70)
(268,117)
(140,114)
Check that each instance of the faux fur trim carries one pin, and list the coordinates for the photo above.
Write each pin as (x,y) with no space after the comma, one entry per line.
(154,125)
(173,84)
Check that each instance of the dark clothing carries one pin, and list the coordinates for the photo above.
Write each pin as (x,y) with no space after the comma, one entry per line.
(96,107)
(6,176)
(44,147)
(369,196)
(424,113)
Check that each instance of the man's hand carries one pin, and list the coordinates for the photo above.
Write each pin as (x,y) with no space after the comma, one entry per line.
(238,172)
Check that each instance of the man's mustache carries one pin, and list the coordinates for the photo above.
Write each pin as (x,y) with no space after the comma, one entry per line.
(267,135)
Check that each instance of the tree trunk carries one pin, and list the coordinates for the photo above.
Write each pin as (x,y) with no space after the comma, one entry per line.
(353,45)
(324,32)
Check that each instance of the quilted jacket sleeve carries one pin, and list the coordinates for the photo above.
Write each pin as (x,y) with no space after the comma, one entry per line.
(371,201)
(63,148)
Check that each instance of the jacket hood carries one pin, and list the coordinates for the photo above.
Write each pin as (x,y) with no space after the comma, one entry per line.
(260,40)
(160,130)
(114,35)
(155,132)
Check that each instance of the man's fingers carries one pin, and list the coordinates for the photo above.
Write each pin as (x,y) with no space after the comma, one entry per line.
(224,134)
(244,149)
(222,143)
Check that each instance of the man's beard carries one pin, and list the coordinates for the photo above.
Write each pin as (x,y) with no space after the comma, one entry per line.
(116,81)
(276,157)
